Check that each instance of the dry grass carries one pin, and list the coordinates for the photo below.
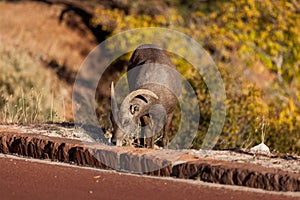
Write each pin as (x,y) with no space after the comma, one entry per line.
(27,94)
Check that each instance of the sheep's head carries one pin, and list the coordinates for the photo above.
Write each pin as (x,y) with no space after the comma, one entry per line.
(126,119)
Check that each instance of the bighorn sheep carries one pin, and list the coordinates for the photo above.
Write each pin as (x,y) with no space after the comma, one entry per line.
(155,85)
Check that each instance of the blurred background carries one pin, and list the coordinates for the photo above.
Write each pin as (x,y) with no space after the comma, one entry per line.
(254,43)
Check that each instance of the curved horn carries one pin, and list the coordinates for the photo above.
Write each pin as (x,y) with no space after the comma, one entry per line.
(133,94)
(114,105)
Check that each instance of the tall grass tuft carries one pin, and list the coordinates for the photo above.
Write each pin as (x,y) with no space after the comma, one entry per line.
(26,90)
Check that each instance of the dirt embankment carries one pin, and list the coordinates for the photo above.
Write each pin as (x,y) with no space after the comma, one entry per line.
(47,32)
(57,35)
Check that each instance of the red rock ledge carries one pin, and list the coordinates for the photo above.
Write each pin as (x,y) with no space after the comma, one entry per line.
(164,162)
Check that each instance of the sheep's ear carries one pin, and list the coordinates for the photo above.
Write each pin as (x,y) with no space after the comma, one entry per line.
(134,109)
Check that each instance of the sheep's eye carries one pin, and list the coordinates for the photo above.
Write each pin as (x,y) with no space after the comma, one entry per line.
(133,109)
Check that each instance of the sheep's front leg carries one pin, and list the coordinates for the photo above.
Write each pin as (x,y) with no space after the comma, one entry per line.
(167,129)
(147,132)
(149,138)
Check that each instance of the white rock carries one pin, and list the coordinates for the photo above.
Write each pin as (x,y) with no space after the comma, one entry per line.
(261,148)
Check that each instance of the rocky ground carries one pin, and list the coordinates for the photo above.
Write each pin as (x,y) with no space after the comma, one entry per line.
(232,167)
(285,162)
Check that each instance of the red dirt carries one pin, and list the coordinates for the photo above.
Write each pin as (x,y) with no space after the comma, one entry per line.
(35,28)
(23,179)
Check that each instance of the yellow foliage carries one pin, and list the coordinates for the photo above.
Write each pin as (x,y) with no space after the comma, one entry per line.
(241,33)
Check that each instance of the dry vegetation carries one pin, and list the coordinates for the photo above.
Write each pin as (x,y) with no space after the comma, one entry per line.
(24,89)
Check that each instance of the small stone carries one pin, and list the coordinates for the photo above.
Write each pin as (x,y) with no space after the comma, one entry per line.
(261,148)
